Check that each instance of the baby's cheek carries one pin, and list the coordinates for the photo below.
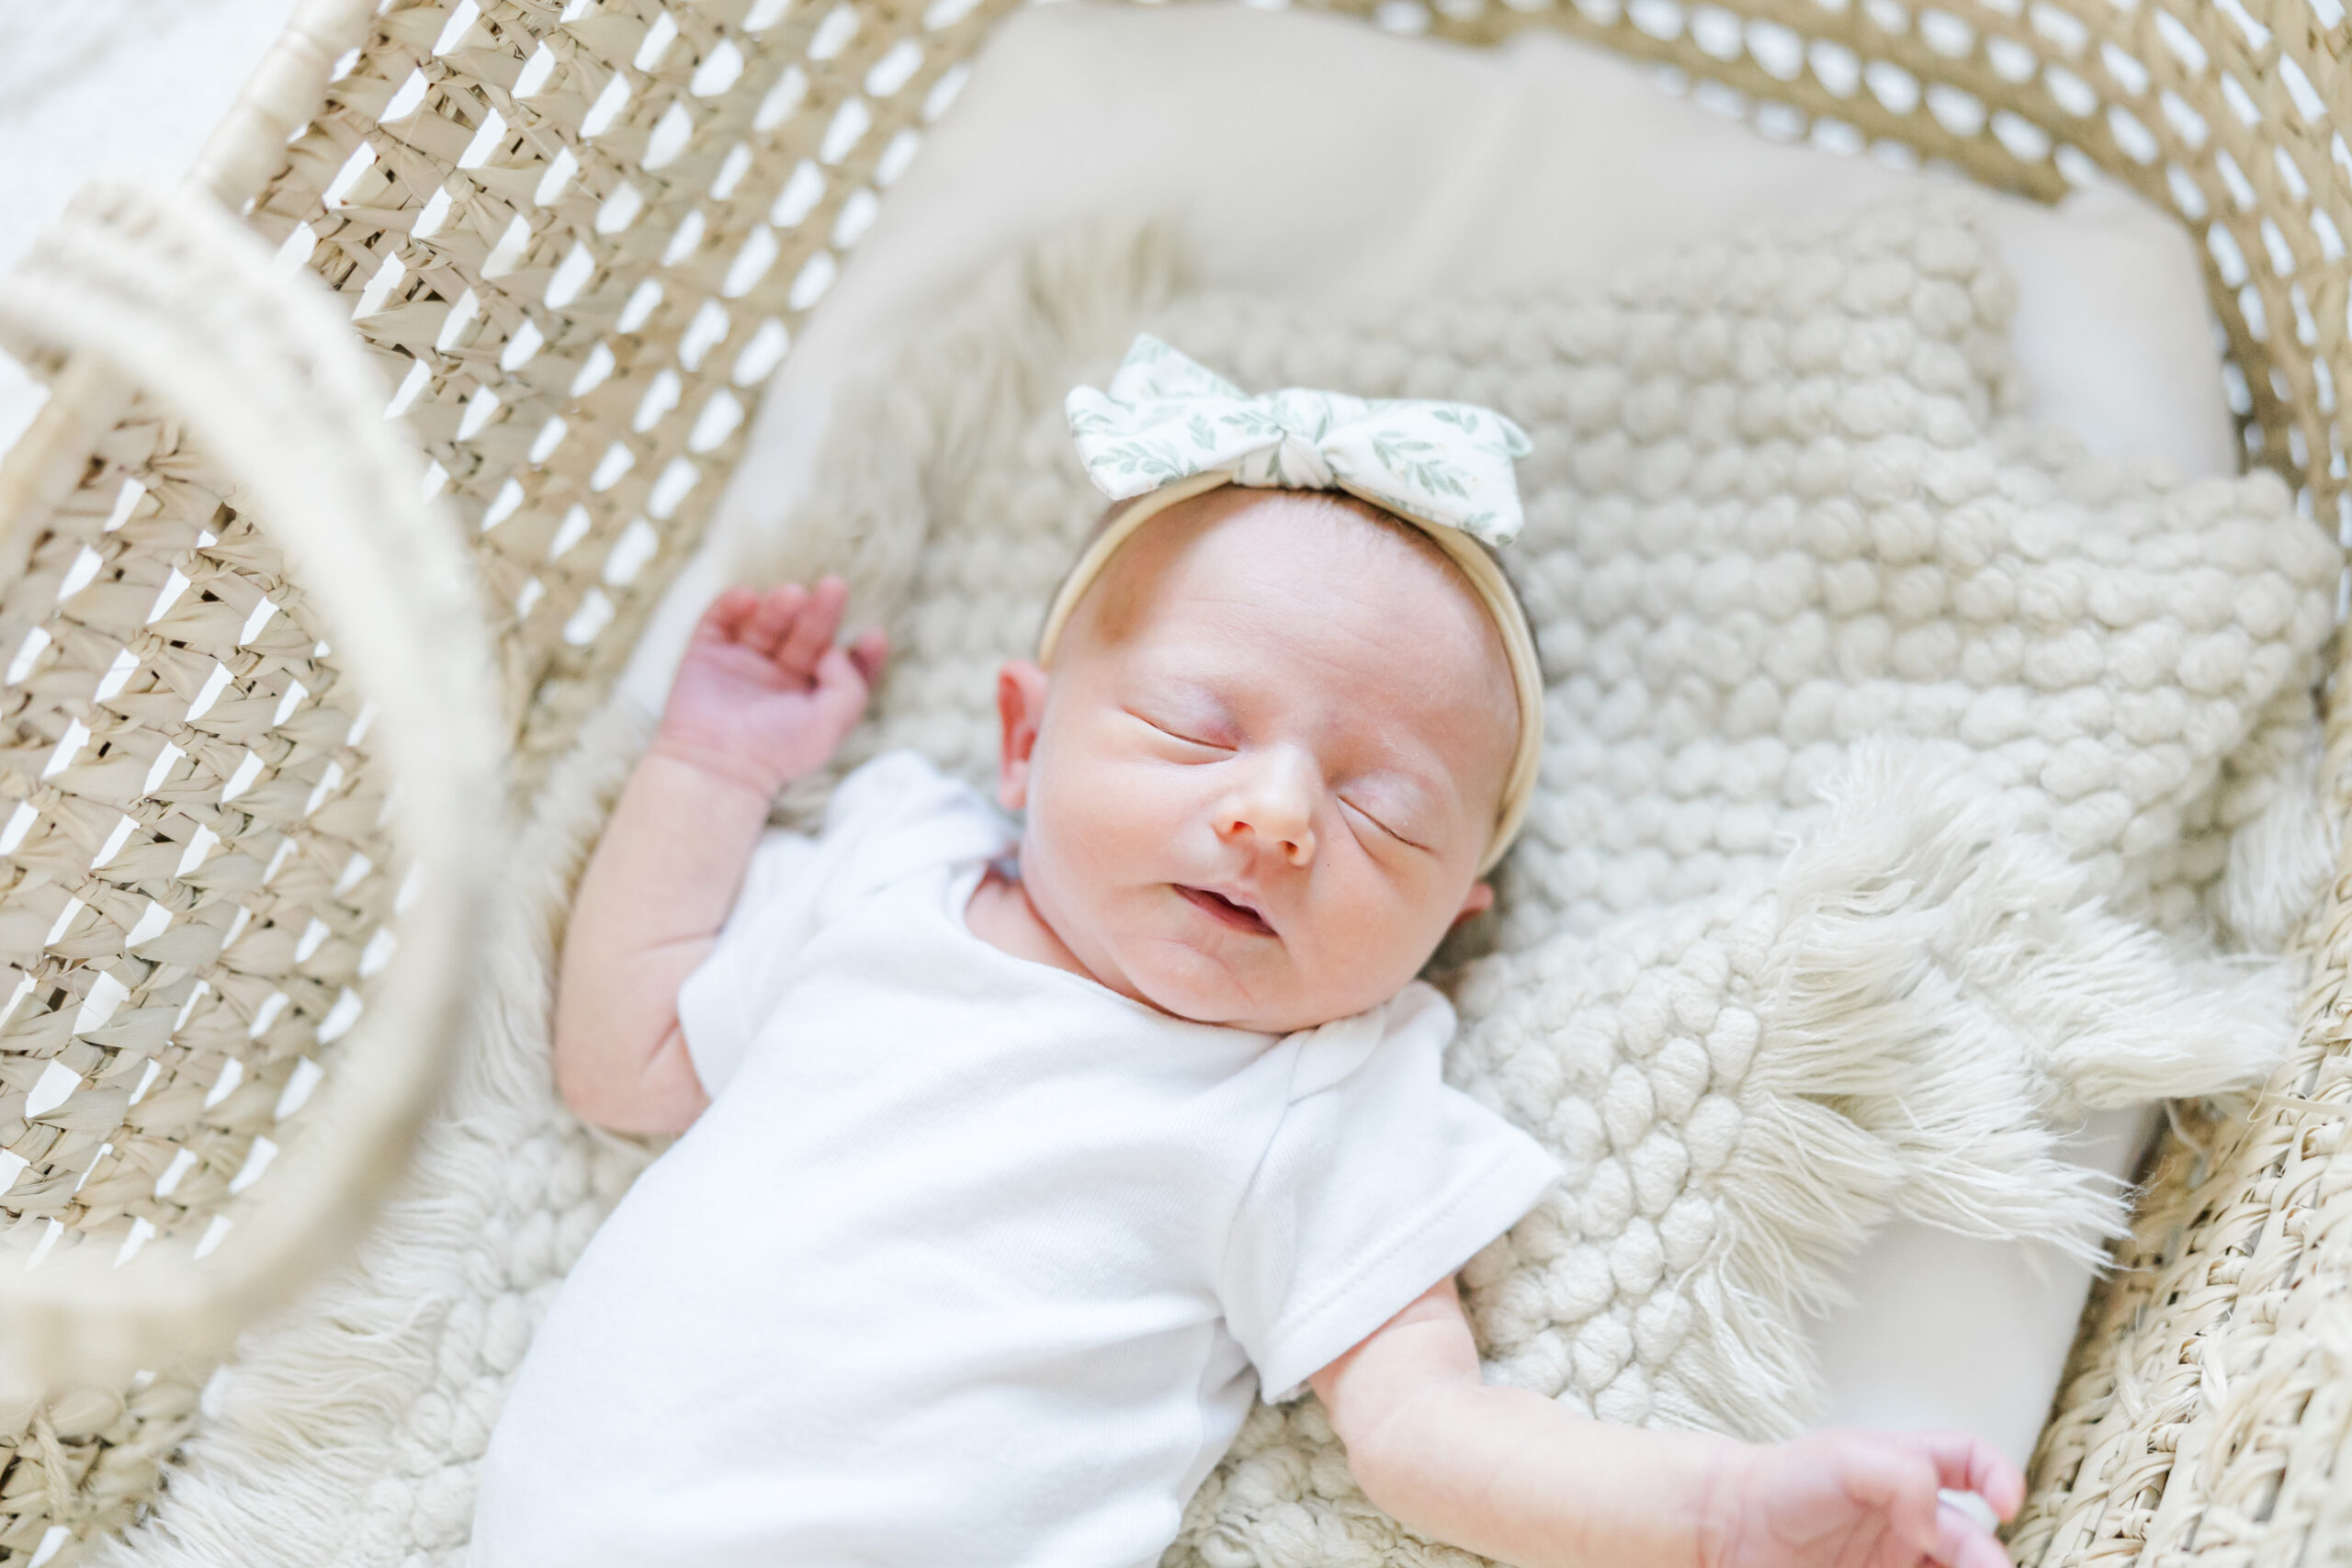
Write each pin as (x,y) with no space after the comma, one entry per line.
(1098,848)
(1105,824)
(1369,941)
(1143,815)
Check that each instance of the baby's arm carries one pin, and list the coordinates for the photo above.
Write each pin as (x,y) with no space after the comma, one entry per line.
(762,697)
(1507,1473)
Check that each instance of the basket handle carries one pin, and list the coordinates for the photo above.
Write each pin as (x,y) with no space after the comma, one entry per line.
(247,148)
(166,291)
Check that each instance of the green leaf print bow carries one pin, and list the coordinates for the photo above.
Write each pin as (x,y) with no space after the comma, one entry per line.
(1166,418)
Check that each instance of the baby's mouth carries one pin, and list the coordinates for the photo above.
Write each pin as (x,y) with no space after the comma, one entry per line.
(1217,907)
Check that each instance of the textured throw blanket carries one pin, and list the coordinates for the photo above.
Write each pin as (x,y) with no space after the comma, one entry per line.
(1909,780)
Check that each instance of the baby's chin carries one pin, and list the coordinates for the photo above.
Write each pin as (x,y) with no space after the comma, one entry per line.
(1185,984)
(1161,956)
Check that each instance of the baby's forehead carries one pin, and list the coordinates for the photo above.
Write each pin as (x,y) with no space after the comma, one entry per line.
(1307,589)
(1322,552)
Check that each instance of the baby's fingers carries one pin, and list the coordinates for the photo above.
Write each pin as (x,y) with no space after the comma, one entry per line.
(1965,1544)
(812,632)
(723,621)
(780,609)
(1964,1465)
(868,653)
(841,688)
(1901,1484)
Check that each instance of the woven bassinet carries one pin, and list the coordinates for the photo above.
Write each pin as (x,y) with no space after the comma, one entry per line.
(255,789)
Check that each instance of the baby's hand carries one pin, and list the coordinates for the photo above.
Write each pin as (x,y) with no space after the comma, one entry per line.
(1849,1499)
(763,696)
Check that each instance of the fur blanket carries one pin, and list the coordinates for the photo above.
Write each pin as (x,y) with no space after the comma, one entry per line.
(1908,779)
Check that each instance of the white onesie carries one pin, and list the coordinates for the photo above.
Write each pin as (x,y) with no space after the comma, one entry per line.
(971,1260)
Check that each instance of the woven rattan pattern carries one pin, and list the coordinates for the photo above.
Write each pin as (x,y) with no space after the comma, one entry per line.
(179,927)
(578,237)
(202,853)
(2207,1404)
(577,244)
(2220,112)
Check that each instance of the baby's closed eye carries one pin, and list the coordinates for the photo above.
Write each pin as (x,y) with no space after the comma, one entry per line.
(1203,733)
(1392,810)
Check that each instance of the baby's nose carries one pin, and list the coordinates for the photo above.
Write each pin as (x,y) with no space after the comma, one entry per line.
(1275,805)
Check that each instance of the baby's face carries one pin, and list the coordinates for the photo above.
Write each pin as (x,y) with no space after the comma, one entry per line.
(1266,763)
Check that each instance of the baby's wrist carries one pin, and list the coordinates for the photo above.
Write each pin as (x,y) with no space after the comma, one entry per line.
(1724,1498)
(725,766)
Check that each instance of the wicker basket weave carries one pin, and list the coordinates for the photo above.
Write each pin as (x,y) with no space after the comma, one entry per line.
(573,238)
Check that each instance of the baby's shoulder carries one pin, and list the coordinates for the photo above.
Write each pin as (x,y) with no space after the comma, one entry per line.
(904,794)
(888,819)
(1407,1034)
(896,784)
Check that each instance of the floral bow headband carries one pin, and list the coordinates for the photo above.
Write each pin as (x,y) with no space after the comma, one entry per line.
(1169,429)
(1166,418)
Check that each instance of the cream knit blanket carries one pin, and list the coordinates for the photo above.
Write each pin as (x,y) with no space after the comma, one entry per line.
(1907,775)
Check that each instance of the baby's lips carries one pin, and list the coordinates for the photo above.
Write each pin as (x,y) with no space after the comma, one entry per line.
(1234,909)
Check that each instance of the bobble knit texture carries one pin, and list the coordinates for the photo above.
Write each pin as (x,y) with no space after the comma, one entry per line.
(1895,758)
(1798,578)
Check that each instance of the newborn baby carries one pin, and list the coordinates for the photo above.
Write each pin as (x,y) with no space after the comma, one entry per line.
(1018,1158)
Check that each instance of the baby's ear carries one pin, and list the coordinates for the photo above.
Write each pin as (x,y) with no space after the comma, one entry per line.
(1477,901)
(1020,708)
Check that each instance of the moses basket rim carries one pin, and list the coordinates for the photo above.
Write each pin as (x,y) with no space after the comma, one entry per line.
(391,574)
(575,242)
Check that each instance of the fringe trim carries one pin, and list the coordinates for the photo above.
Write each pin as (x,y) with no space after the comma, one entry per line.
(1942,999)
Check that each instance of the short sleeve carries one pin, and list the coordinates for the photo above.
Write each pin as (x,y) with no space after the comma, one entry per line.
(894,815)
(1380,1180)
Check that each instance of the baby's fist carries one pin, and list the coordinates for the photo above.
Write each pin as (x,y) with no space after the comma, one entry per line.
(763,696)
(1848,1499)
